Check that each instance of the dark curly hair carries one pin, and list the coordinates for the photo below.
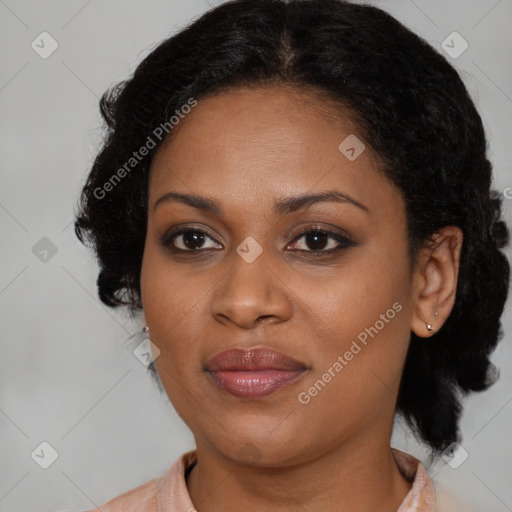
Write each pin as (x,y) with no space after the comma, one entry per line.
(412,109)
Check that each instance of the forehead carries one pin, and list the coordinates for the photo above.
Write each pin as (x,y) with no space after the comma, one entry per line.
(249,145)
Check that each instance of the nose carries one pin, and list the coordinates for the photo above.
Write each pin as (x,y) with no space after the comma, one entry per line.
(251,294)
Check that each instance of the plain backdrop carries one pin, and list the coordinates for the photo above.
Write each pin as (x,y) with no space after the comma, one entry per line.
(68,376)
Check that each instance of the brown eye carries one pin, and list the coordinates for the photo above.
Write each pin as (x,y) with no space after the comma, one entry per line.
(187,240)
(322,241)
(315,241)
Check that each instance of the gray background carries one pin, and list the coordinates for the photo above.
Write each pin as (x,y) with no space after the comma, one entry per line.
(67,373)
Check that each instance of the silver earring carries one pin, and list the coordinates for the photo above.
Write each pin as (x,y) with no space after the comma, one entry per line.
(429,327)
(436,312)
(145,329)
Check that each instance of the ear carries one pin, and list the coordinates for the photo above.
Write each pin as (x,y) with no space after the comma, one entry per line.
(435,281)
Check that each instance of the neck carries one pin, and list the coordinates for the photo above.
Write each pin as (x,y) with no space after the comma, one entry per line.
(355,476)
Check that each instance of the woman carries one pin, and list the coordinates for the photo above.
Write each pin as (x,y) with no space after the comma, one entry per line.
(296,196)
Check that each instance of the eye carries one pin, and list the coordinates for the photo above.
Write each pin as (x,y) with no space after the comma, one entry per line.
(187,240)
(318,240)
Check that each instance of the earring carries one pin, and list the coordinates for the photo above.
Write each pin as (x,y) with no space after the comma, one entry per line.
(430,327)
(145,329)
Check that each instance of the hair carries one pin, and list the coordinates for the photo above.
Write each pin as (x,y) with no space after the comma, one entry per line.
(413,111)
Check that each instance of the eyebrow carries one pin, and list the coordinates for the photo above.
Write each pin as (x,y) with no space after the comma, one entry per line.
(281,207)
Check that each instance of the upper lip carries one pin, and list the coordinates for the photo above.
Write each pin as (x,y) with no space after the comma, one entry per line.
(252,359)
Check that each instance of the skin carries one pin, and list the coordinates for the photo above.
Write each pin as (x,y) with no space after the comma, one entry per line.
(247,149)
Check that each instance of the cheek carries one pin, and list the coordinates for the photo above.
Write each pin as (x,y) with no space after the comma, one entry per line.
(177,309)
(166,301)
(355,297)
(166,294)
(171,303)
(366,312)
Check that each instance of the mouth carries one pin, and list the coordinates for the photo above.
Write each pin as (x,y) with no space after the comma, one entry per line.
(253,373)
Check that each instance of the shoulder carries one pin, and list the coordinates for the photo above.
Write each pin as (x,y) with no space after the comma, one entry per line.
(140,499)
(158,495)
(421,497)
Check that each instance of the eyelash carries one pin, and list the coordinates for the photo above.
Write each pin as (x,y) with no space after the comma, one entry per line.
(345,242)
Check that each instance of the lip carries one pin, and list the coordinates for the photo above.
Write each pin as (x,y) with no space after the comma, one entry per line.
(253,373)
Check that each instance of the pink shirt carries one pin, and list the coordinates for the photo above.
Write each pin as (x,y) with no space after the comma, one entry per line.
(169,493)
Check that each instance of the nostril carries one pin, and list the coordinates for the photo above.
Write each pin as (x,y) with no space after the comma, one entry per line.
(265,319)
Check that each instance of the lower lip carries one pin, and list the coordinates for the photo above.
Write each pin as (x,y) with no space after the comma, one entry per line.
(254,384)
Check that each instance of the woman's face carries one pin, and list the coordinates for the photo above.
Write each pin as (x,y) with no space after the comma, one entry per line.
(255,273)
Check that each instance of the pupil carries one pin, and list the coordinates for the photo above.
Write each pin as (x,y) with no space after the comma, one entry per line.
(191,238)
(312,240)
